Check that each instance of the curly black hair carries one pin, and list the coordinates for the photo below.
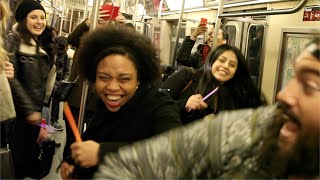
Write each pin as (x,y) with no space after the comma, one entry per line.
(118,39)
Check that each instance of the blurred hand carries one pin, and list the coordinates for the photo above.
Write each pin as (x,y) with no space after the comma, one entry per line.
(200,30)
(34,118)
(66,170)
(121,19)
(195,103)
(103,16)
(8,69)
(85,153)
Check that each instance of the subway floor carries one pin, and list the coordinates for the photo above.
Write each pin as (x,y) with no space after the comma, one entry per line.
(60,137)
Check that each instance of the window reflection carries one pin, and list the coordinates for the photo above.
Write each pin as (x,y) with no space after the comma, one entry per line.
(231,30)
(254,51)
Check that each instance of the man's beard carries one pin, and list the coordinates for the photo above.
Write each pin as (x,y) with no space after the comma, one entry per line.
(301,161)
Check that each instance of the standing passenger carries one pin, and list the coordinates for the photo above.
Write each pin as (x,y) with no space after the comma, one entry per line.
(197,59)
(32,64)
(7,111)
(125,71)
(62,67)
(74,99)
(225,68)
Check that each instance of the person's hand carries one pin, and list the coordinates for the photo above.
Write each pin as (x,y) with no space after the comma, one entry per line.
(85,153)
(103,16)
(34,118)
(195,103)
(8,69)
(200,30)
(121,19)
(66,170)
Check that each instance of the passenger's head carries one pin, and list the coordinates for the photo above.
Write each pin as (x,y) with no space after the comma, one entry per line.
(31,17)
(294,140)
(118,66)
(223,62)
(223,37)
(61,44)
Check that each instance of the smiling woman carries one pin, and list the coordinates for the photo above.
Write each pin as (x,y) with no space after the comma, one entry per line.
(30,53)
(224,68)
(125,69)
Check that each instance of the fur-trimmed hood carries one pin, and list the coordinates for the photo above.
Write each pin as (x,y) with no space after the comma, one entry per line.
(27,49)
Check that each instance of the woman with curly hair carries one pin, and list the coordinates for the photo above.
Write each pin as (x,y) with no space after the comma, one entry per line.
(224,68)
(125,71)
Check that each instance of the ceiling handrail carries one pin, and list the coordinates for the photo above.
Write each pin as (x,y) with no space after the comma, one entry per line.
(266,12)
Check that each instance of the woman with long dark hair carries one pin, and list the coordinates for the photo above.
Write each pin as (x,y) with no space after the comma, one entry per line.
(30,47)
(224,69)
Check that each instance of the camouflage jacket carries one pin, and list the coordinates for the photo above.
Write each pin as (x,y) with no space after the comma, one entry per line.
(222,147)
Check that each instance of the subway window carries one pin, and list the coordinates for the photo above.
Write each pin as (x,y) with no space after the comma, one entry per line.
(254,51)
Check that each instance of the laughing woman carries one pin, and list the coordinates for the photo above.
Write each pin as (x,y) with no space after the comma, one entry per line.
(125,71)
(30,56)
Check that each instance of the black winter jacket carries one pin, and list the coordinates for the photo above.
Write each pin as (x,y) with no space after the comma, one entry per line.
(76,92)
(63,66)
(186,58)
(148,113)
(31,68)
(179,80)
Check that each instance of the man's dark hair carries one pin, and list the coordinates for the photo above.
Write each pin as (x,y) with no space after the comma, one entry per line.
(314,47)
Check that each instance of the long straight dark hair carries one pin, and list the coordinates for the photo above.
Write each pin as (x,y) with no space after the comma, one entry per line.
(244,91)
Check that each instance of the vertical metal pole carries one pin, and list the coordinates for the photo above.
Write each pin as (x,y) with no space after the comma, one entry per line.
(85,86)
(217,25)
(177,35)
(123,5)
(62,17)
(85,12)
(71,17)
(160,9)
(135,12)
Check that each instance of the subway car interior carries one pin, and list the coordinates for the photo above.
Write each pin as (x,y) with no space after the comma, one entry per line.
(269,33)
(270,22)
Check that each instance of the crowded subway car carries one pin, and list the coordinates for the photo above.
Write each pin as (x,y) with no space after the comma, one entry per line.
(160,89)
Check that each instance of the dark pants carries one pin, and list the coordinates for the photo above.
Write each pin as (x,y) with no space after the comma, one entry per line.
(55,109)
(55,104)
(23,147)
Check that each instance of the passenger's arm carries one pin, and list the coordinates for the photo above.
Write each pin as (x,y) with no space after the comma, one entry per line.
(201,148)
(66,68)
(176,82)
(184,56)
(168,156)
(75,35)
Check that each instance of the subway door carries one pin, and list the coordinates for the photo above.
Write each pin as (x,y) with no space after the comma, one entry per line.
(248,36)
(254,52)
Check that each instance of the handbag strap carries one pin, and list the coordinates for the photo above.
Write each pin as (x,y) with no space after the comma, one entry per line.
(76,79)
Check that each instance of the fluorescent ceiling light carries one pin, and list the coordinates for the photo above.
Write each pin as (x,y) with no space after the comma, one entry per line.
(90,2)
(175,5)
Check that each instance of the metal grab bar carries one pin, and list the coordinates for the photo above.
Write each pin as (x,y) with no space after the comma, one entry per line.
(266,12)
(173,65)
(85,85)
